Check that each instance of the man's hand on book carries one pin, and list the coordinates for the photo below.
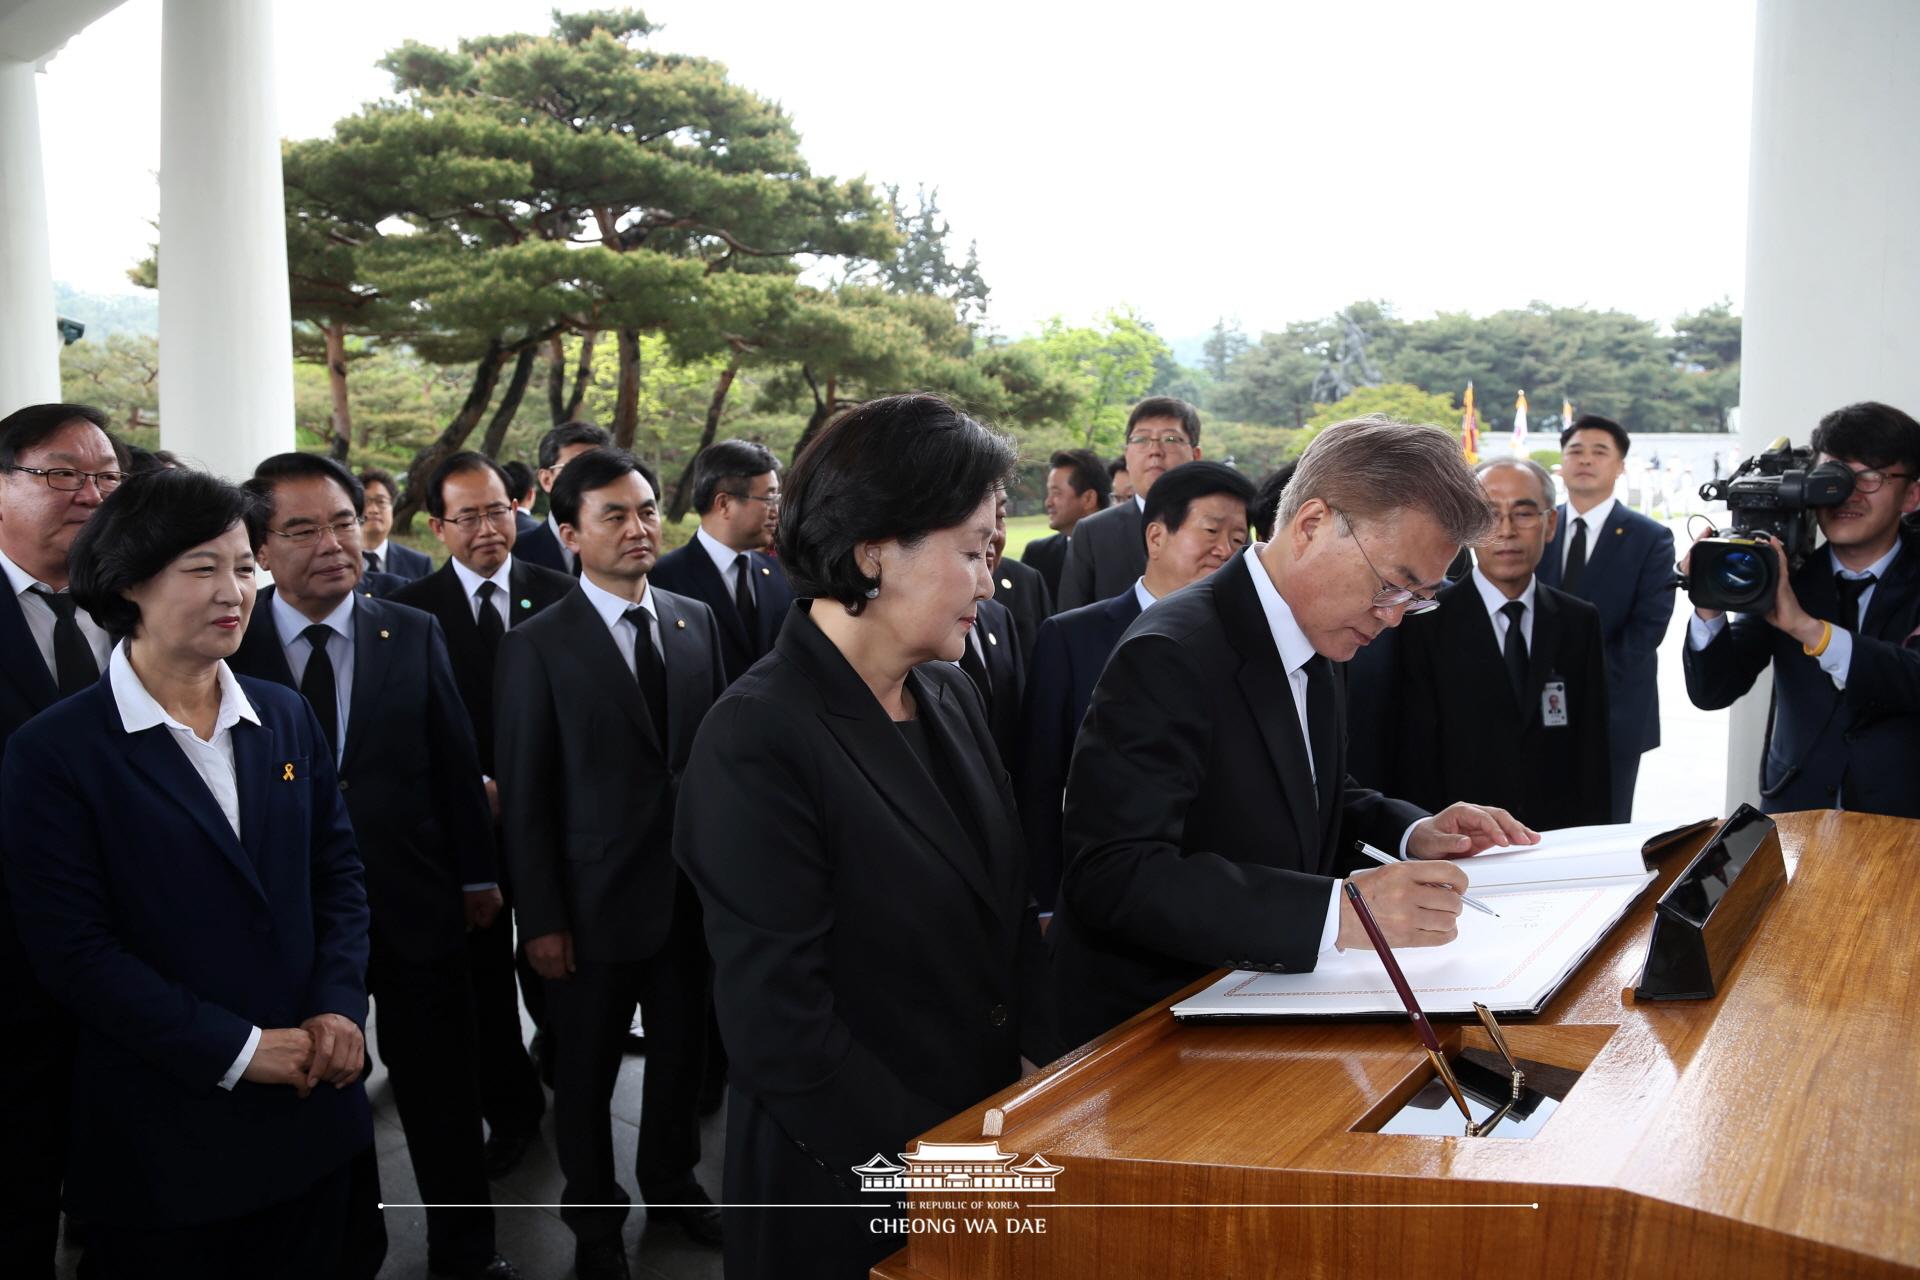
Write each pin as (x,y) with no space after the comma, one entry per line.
(1460,830)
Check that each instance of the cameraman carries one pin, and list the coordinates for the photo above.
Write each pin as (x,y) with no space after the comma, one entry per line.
(1846,723)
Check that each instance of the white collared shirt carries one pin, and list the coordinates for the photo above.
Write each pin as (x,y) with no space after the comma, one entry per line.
(724,559)
(1596,521)
(566,556)
(289,622)
(1496,600)
(613,611)
(1145,597)
(470,583)
(379,555)
(211,758)
(1140,503)
(1837,658)
(40,620)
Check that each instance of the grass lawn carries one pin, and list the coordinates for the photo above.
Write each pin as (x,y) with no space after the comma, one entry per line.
(1024,529)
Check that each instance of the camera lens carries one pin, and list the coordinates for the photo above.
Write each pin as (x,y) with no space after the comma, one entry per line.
(1738,574)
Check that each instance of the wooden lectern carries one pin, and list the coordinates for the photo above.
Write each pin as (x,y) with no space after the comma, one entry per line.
(1773,1130)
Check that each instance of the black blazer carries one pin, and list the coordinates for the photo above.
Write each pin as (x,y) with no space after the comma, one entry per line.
(1857,748)
(1049,556)
(168,939)
(523,524)
(1194,837)
(407,564)
(1026,596)
(586,787)
(382,586)
(1068,657)
(1104,556)
(1460,735)
(689,571)
(441,594)
(409,772)
(877,967)
(1629,578)
(1007,671)
(540,546)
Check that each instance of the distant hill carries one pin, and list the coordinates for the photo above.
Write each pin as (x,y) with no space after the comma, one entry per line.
(134,312)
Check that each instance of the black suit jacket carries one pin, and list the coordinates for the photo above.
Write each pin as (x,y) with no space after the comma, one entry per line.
(540,546)
(1857,748)
(1104,556)
(1194,836)
(407,564)
(441,594)
(1007,673)
(1025,594)
(1461,736)
(1629,578)
(689,571)
(168,939)
(1049,556)
(876,967)
(523,524)
(587,788)
(409,772)
(1068,657)
(382,586)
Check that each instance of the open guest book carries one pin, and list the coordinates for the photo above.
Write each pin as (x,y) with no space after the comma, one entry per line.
(1556,900)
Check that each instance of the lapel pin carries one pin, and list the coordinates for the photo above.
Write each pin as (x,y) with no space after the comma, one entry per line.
(992,638)
(525,603)
(765,572)
(1007,583)
(383,633)
(1619,533)
(681,623)
(286,772)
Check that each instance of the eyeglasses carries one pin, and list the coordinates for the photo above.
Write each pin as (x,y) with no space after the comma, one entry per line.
(471,521)
(67,480)
(1171,440)
(1863,481)
(771,499)
(1390,595)
(340,529)
(1523,518)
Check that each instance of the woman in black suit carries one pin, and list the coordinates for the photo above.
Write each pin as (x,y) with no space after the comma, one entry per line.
(185,881)
(853,837)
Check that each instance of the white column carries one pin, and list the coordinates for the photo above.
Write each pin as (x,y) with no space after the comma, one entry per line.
(29,342)
(1833,240)
(226,345)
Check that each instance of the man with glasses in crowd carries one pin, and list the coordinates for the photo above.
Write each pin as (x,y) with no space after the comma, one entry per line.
(1840,636)
(1209,793)
(561,445)
(1107,554)
(1503,689)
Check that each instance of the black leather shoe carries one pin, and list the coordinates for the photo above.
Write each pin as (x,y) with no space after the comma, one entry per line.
(504,1149)
(494,1268)
(606,1261)
(692,1208)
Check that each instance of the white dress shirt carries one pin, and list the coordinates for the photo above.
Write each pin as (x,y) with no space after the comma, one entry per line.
(40,619)
(470,582)
(211,758)
(613,611)
(379,555)
(1837,657)
(723,557)
(1596,521)
(1145,597)
(1495,599)
(289,622)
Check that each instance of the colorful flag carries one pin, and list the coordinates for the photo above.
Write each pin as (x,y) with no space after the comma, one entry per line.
(1520,424)
(1566,414)
(1470,430)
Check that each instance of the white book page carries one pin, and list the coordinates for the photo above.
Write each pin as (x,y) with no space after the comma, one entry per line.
(1571,853)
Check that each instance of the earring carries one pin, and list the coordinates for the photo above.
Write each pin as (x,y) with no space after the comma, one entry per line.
(873,593)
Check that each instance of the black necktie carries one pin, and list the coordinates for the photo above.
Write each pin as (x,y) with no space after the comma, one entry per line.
(74,666)
(373,561)
(1576,557)
(317,683)
(491,628)
(1515,651)
(743,597)
(976,668)
(649,671)
(1851,589)
(1321,732)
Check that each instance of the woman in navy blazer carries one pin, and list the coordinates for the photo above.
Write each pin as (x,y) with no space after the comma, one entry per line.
(186,883)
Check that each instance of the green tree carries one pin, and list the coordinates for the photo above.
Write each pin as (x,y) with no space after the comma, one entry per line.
(1108,367)
(121,377)
(1223,346)
(1395,400)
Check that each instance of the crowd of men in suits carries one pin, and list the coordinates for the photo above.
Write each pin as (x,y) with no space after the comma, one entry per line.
(509,733)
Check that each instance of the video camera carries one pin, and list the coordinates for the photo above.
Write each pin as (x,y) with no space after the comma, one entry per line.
(1776,492)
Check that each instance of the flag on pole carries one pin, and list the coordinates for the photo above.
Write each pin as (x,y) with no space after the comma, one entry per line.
(1470,430)
(1520,424)
(1566,414)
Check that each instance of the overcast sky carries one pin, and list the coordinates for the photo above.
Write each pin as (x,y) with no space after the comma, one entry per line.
(1197,159)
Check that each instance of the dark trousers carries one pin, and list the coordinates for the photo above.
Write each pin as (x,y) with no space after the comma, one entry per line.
(510,1094)
(591,1010)
(1626,771)
(300,1239)
(425,1036)
(36,1079)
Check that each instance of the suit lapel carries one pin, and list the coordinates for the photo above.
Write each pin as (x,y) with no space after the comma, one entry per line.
(713,590)
(27,670)
(528,598)
(1263,682)
(253,766)
(1601,541)
(997,861)
(1547,623)
(680,649)
(261,654)
(773,594)
(1891,597)
(370,663)
(1548,570)
(153,753)
(597,650)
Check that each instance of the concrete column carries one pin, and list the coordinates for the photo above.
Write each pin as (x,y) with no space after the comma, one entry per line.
(1833,240)
(226,345)
(29,343)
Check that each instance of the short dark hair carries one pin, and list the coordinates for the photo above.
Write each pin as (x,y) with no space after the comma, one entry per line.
(519,478)
(1167,407)
(141,528)
(1168,504)
(1594,422)
(1266,499)
(383,478)
(569,433)
(1869,432)
(594,469)
(728,460)
(24,428)
(299,466)
(459,464)
(898,467)
(1084,471)
(1114,468)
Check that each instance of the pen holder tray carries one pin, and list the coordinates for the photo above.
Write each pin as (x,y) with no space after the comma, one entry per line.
(1705,917)
(1553,1058)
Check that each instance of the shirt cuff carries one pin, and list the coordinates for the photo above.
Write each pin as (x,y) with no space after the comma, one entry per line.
(1406,838)
(241,1063)
(1837,657)
(479,888)
(1700,632)
(1330,931)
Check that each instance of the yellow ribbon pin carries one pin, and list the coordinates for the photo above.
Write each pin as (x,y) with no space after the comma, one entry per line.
(286,772)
